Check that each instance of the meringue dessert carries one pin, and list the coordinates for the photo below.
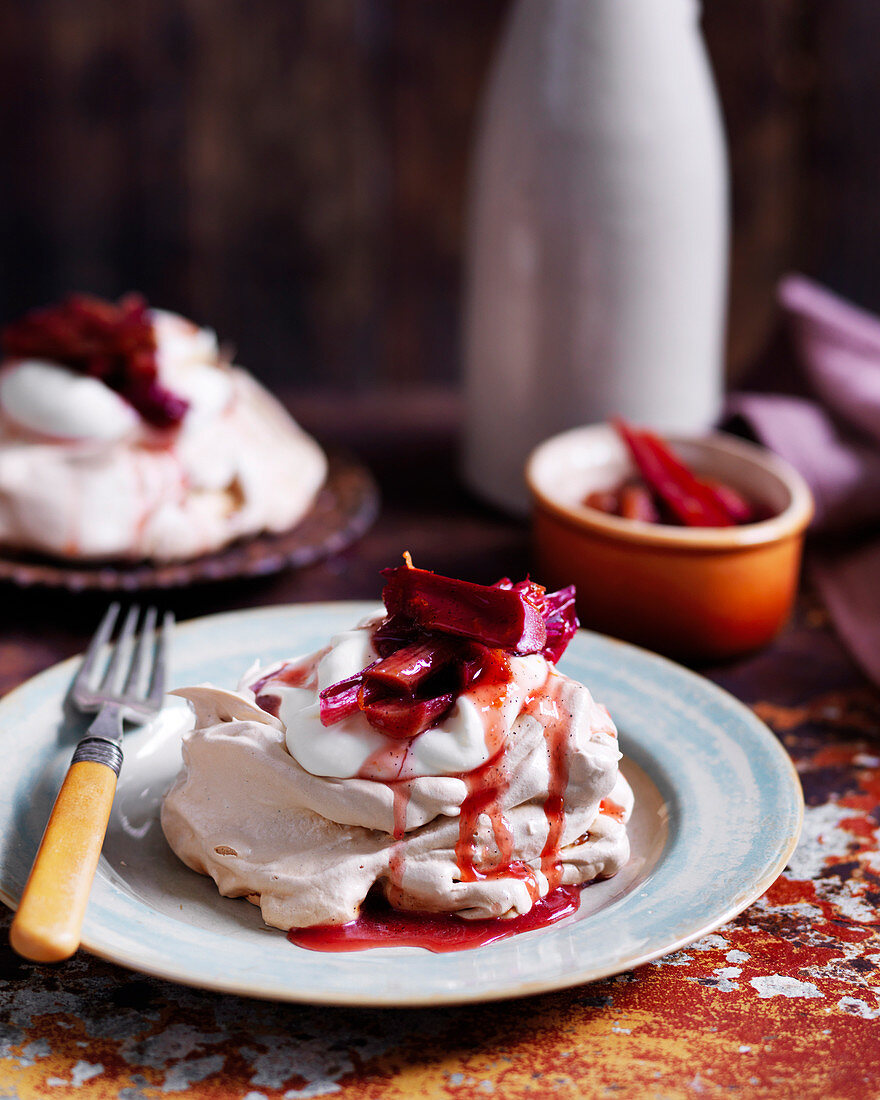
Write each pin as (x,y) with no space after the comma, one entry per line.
(433,754)
(125,434)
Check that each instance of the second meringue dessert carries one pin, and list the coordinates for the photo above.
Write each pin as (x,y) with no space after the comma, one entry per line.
(125,434)
(433,754)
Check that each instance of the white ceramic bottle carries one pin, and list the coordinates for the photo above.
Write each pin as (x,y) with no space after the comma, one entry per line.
(597,253)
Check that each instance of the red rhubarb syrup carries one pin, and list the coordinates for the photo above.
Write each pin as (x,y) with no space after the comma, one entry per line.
(381,926)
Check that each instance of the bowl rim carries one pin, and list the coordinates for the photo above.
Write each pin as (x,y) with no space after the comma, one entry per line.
(788,523)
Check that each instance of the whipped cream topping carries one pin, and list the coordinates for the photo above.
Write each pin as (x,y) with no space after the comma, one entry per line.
(51,400)
(549,808)
(352,747)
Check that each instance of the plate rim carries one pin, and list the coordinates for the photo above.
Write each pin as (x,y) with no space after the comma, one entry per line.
(523,988)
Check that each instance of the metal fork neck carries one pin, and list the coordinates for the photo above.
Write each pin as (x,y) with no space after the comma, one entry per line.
(102,743)
(108,723)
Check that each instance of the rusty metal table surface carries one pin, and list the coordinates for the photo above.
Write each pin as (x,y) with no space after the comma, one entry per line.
(783,1001)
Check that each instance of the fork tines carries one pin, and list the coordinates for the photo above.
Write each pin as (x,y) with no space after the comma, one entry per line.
(134,676)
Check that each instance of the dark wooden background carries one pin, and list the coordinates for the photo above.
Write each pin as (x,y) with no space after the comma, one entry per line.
(293,171)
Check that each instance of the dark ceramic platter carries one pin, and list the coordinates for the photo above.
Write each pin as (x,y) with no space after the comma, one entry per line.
(344,510)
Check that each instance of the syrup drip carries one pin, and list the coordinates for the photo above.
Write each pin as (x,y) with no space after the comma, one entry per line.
(294,675)
(174,483)
(146,511)
(71,543)
(612,809)
(388,758)
(380,926)
(547,708)
(486,786)
(400,793)
(401,801)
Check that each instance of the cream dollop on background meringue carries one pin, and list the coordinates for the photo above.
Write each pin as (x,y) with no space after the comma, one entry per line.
(81,476)
(54,401)
(308,848)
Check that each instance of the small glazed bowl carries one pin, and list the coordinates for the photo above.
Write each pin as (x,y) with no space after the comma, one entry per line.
(701,594)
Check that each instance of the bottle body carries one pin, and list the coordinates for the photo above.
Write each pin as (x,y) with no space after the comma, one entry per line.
(597,255)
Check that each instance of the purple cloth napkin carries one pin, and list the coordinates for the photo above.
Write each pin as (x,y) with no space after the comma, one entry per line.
(830,432)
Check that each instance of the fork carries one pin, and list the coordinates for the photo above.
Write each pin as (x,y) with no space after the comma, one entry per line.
(49,918)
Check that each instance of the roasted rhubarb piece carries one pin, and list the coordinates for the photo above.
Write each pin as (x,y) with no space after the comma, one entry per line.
(669,491)
(408,691)
(501,618)
(440,637)
(408,668)
(691,503)
(114,342)
(404,717)
(736,505)
(341,700)
(604,500)
(636,502)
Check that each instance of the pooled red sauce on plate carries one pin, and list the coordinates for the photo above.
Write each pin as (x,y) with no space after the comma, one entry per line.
(381,926)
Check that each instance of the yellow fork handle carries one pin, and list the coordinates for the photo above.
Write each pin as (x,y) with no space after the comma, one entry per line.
(49,919)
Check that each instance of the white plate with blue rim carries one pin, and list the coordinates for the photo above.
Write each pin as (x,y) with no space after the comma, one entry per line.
(718,813)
